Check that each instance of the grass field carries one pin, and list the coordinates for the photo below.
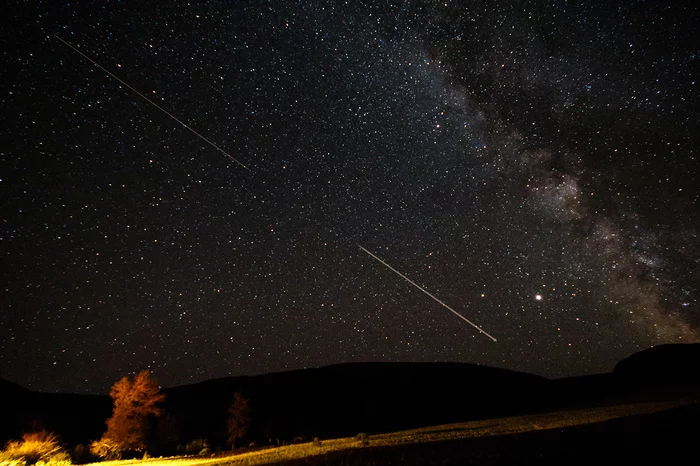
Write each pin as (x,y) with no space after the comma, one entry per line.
(442,433)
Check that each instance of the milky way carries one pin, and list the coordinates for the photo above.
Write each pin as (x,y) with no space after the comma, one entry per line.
(534,164)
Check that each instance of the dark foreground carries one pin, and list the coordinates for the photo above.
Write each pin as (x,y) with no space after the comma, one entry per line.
(670,437)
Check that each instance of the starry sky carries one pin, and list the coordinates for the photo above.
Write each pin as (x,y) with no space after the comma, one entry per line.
(533,164)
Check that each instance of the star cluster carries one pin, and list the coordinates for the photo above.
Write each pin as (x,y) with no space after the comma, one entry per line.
(532,164)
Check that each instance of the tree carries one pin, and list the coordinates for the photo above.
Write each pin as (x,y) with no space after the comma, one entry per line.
(136,401)
(167,434)
(238,419)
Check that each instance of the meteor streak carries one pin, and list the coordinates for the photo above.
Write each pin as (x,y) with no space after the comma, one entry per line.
(152,103)
(429,294)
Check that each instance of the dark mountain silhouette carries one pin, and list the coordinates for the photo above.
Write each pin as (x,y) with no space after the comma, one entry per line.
(348,398)
(75,418)
(345,399)
(12,389)
(662,364)
(13,399)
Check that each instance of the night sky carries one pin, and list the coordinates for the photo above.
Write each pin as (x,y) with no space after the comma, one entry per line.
(534,165)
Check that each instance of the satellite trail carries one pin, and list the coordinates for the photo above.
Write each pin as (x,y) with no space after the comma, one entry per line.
(429,294)
(152,103)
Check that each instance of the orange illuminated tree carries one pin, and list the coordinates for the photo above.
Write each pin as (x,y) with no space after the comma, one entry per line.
(136,401)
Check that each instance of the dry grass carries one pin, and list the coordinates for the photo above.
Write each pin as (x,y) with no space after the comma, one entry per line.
(517,424)
(484,428)
(39,448)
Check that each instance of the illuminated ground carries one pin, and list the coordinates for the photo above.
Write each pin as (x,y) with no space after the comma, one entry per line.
(466,430)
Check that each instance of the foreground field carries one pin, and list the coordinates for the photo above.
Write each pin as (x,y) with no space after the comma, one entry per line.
(337,450)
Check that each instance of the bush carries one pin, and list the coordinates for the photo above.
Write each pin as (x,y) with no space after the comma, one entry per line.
(34,448)
(81,455)
(195,446)
(317,442)
(362,438)
(106,449)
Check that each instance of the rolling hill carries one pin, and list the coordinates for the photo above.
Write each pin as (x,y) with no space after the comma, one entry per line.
(342,400)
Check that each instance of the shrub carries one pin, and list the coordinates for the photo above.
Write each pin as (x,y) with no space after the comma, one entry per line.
(81,455)
(362,438)
(34,448)
(195,446)
(317,442)
(106,449)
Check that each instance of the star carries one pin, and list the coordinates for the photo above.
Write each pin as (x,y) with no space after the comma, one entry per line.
(481,154)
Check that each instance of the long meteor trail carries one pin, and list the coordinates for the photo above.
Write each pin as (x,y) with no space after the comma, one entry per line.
(152,102)
(429,294)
